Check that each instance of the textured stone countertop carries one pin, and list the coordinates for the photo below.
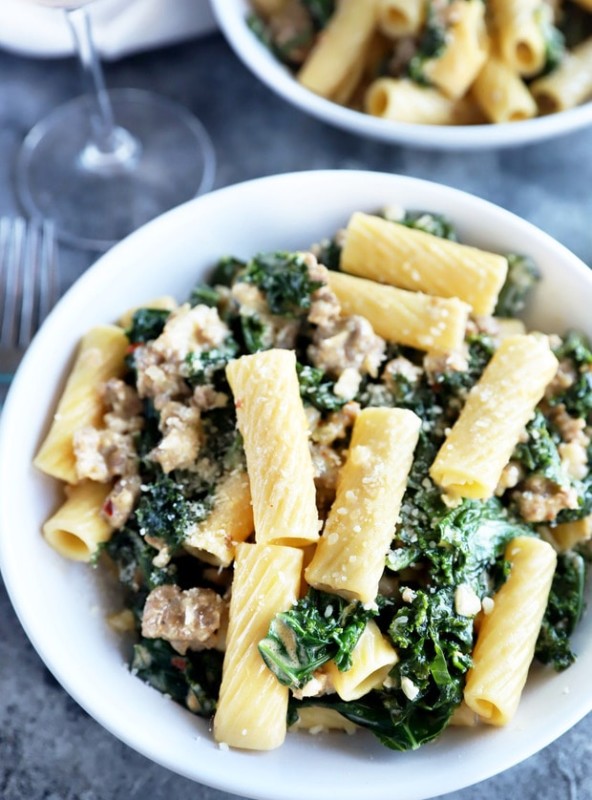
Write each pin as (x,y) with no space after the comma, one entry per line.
(49,748)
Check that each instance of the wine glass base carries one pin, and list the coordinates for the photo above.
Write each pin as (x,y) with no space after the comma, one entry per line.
(95,200)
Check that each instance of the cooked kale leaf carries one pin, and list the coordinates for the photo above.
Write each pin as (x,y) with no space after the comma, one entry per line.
(167,508)
(208,366)
(564,609)
(204,295)
(318,628)
(522,276)
(328,253)
(134,558)
(196,674)
(456,383)
(256,333)
(539,454)
(318,390)
(284,280)
(321,11)
(226,271)
(436,224)
(431,45)
(147,324)
(577,398)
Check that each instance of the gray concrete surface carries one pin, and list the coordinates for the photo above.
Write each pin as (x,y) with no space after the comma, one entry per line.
(49,748)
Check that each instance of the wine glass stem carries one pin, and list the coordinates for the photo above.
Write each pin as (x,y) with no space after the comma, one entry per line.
(102,121)
(111,149)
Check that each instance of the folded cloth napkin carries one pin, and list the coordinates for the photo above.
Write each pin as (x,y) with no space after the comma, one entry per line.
(120,26)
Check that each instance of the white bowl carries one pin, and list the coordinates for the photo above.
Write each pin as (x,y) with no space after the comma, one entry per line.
(61,603)
(232,16)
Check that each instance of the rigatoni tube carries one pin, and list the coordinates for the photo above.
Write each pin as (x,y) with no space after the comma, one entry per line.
(471,459)
(349,558)
(274,428)
(391,253)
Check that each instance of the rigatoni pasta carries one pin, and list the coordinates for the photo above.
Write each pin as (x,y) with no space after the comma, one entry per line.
(412,259)
(473,455)
(349,559)
(273,426)
(507,636)
(441,63)
(331,502)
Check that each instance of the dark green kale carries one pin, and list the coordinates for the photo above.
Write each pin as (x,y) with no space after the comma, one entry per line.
(320,627)
(320,11)
(460,545)
(196,675)
(436,224)
(434,645)
(147,324)
(564,609)
(169,506)
(575,24)
(223,442)
(150,435)
(577,398)
(284,280)
(539,453)
(204,295)
(208,366)
(522,276)
(226,271)
(456,383)
(432,44)
(318,390)
(134,561)
(329,253)
(256,333)
(554,46)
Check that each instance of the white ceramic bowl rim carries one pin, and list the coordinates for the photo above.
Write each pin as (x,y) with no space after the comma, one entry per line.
(231,15)
(58,602)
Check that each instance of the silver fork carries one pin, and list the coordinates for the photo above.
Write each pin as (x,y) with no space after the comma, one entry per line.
(28,288)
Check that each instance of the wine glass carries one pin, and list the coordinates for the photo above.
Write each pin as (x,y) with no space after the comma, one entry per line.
(105,163)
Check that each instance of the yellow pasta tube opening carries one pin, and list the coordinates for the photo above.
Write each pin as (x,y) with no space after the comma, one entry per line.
(372,660)
(77,528)
(569,84)
(349,558)
(501,94)
(403,317)
(402,100)
(275,431)
(253,704)
(471,459)
(100,357)
(568,534)
(388,252)
(507,636)
(398,18)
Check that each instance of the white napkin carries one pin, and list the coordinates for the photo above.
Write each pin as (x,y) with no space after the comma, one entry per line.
(120,26)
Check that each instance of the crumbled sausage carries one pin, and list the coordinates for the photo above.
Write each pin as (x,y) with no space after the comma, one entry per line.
(120,501)
(347,343)
(182,436)
(189,619)
(540,500)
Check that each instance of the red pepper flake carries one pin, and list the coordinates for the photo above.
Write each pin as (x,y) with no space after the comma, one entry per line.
(178,662)
(108,508)
(132,346)
(238,402)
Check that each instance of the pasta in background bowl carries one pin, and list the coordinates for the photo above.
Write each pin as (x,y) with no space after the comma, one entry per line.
(233,16)
(59,601)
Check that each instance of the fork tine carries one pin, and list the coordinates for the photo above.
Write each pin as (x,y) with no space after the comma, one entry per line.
(48,283)
(29,268)
(12,253)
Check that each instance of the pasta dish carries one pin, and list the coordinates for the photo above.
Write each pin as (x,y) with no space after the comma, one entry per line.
(341,488)
(436,62)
